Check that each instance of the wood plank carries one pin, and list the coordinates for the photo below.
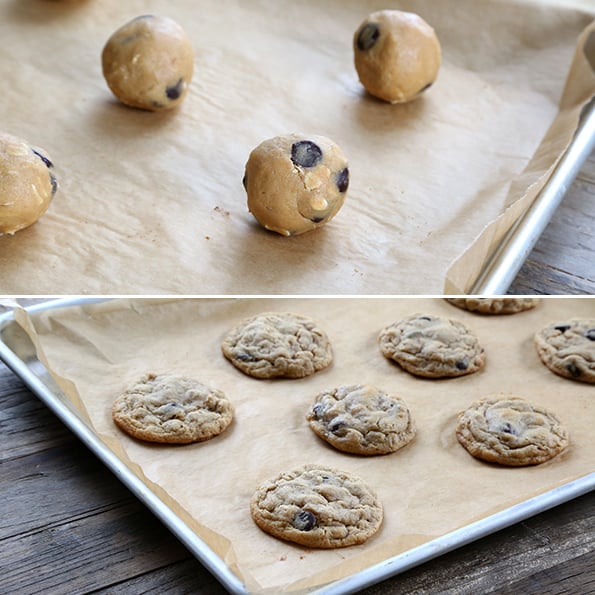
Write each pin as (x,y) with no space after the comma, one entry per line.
(563,260)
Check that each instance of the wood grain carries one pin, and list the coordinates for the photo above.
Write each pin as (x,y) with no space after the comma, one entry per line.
(563,260)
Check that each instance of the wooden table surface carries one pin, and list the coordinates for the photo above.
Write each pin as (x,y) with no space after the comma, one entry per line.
(563,260)
(69,526)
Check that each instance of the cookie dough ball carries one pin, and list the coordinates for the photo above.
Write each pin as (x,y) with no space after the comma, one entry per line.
(397,55)
(296,183)
(148,63)
(27,185)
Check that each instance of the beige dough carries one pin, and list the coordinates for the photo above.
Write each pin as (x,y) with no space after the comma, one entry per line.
(397,55)
(26,184)
(148,63)
(296,183)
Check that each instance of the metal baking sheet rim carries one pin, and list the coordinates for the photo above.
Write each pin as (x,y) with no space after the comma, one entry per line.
(399,563)
(509,255)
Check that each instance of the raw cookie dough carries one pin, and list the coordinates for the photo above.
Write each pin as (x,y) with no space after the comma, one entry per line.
(27,184)
(148,63)
(362,420)
(510,431)
(397,55)
(317,507)
(296,183)
(432,346)
(494,305)
(172,409)
(277,344)
(567,348)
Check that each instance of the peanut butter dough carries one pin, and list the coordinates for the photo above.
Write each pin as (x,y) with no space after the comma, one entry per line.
(148,63)
(397,55)
(296,183)
(27,185)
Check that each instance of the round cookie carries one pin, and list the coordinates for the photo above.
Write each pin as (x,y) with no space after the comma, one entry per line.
(494,305)
(317,507)
(172,409)
(148,63)
(568,348)
(27,184)
(397,55)
(361,419)
(296,183)
(510,431)
(432,346)
(277,344)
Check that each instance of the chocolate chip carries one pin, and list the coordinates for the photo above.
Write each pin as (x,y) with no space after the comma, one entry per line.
(343,180)
(304,520)
(174,91)
(590,334)
(562,328)
(336,426)
(317,410)
(54,183)
(573,370)
(47,162)
(305,153)
(507,429)
(367,36)
(462,365)
(244,357)
(316,219)
(245,182)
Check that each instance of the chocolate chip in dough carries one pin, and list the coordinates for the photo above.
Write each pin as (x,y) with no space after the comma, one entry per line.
(305,153)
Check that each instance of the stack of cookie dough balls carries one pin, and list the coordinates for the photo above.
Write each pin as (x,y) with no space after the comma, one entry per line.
(397,55)
(27,184)
(148,63)
(296,183)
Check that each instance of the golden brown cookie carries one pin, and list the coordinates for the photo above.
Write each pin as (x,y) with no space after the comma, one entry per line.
(277,344)
(361,419)
(172,409)
(318,507)
(27,184)
(494,305)
(432,346)
(296,183)
(148,63)
(567,348)
(397,55)
(510,431)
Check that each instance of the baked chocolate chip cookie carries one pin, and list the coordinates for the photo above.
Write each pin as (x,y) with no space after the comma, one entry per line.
(172,409)
(510,431)
(568,348)
(494,305)
(318,507)
(278,344)
(432,346)
(361,419)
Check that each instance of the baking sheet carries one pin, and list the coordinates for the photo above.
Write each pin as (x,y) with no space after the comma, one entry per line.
(95,350)
(153,203)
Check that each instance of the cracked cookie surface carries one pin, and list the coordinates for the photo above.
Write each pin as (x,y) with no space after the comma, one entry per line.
(317,506)
(172,409)
(277,344)
(361,419)
(432,346)
(567,348)
(510,431)
(494,305)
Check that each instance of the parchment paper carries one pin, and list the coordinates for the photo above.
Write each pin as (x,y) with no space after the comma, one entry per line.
(153,203)
(429,488)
